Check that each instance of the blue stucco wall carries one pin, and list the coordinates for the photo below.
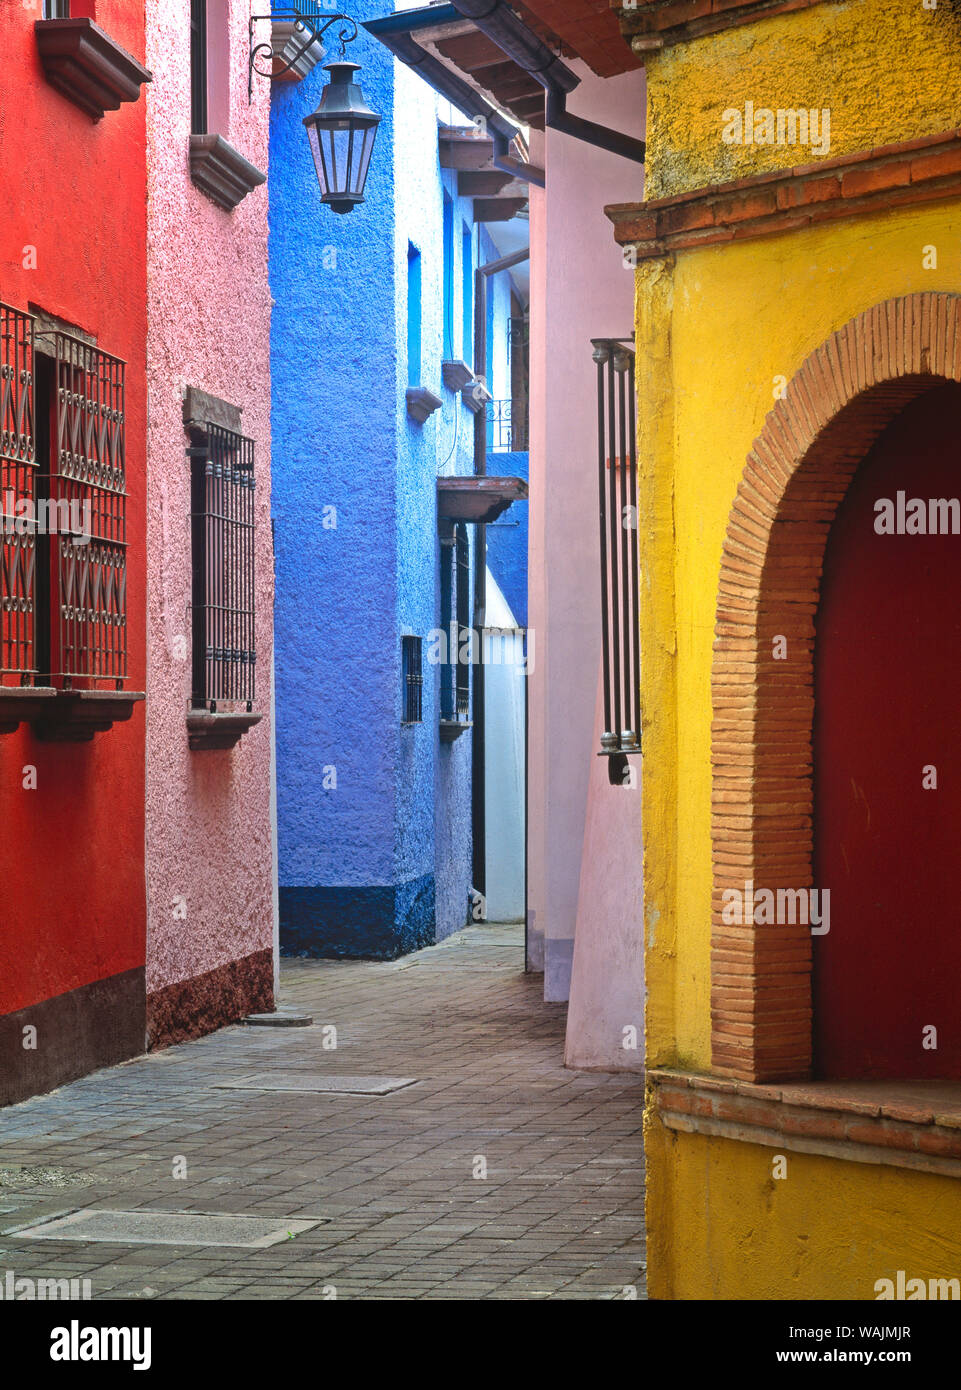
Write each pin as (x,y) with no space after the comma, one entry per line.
(374,817)
(507,537)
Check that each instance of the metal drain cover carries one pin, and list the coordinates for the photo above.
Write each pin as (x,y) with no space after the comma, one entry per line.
(169,1228)
(321,1084)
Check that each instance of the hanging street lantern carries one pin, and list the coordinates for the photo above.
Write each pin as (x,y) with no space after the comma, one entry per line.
(341,133)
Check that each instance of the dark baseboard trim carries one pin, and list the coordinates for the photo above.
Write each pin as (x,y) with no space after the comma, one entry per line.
(380,922)
(94,1026)
(191,1008)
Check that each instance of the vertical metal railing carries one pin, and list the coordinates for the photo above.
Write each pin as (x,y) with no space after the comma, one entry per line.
(617,510)
(462,581)
(412,670)
(222,512)
(18,469)
(86,514)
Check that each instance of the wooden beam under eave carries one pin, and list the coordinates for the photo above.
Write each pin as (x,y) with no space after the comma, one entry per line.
(497,209)
(464,151)
(482,183)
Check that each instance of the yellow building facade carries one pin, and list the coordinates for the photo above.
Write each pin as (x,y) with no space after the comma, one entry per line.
(798,285)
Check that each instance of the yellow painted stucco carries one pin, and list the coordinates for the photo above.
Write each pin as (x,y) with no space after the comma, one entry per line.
(721,1225)
(887,70)
(715,328)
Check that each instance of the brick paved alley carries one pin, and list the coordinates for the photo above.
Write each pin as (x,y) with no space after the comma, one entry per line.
(390,1178)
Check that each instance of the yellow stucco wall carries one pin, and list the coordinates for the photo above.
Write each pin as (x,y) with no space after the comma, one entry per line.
(715,327)
(722,1226)
(887,70)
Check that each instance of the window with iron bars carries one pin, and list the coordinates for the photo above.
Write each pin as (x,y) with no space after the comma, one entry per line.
(619,588)
(412,675)
(455,618)
(222,543)
(63,547)
(198,67)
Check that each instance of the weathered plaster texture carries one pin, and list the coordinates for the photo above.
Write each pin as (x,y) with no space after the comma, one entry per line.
(823,58)
(208,813)
(72,920)
(374,817)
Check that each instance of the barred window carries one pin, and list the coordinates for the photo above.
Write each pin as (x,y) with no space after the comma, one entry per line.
(412,672)
(63,591)
(455,617)
(18,469)
(222,542)
(85,517)
(462,579)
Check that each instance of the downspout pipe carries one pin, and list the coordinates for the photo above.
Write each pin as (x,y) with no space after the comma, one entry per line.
(498,21)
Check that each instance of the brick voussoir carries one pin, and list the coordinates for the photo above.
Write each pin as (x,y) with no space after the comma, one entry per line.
(761,826)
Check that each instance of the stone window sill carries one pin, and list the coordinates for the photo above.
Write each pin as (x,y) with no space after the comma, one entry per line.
(905,1124)
(422,403)
(65,716)
(221,172)
(216,729)
(87,66)
(453,728)
(294,56)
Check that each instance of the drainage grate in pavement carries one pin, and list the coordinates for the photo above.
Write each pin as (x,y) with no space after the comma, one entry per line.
(321,1083)
(169,1228)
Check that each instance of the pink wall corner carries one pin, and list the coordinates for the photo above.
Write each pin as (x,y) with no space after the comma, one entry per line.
(208,813)
(605,1018)
(587,292)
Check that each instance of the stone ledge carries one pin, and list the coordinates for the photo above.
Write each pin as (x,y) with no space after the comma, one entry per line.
(216,729)
(76,715)
(421,403)
(21,704)
(783,200)
(451,729)
(894,1123)
(87,66)
(222,172)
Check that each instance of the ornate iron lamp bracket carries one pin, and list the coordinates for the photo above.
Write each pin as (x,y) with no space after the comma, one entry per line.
(315,25)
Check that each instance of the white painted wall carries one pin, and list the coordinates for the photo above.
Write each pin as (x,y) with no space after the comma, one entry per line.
(580,289)
(504,697)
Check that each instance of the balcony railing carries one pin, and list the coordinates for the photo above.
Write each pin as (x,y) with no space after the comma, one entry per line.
(617,514)
(506,428)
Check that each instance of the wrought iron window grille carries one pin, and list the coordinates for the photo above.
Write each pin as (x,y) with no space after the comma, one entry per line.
(412,675)
(617,511)
(223,569)
(63,543)
(506,429)
(313,18)
(455,617)
(198,67)
(18,490)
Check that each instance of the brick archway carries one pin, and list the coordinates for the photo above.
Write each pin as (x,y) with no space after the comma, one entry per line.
(840,400)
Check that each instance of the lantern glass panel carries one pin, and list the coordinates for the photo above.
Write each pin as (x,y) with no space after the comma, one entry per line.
(341,140)
(365,140)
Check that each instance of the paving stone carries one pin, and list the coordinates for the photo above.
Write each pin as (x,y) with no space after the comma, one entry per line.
(390,1173)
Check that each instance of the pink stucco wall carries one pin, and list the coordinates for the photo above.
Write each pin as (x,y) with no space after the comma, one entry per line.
(580,290)
(208,813)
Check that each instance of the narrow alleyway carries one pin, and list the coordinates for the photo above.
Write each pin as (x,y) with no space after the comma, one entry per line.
(395,1181)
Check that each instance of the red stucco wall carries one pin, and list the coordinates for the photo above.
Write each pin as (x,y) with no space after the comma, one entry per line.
(72,902)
